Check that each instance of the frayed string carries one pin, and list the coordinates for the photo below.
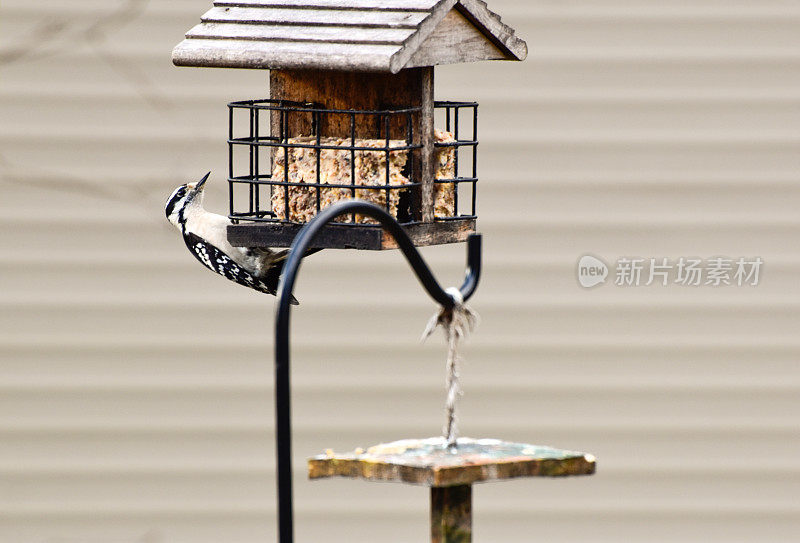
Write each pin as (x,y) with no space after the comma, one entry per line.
(457,324)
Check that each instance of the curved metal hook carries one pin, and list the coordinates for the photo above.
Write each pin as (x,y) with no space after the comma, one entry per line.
(290,270)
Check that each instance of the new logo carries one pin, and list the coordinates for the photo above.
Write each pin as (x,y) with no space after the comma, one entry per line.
(591,271)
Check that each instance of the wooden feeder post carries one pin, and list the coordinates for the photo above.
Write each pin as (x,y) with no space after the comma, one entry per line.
(451,472)
(451,514)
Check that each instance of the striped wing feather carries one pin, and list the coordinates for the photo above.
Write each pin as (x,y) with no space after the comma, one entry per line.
(217,261)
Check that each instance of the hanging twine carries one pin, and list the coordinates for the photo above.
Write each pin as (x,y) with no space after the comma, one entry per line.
(457,323)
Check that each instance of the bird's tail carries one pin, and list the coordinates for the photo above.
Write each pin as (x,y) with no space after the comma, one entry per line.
(273,275)
(283,255)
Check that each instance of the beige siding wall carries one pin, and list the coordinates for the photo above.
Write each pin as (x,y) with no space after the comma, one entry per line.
(135,387)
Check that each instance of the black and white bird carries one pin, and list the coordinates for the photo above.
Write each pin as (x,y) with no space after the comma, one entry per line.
(205,234)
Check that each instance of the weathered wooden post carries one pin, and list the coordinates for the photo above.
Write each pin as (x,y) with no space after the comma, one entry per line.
(451,472)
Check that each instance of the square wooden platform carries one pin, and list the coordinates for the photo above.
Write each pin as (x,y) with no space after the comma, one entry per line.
(428,462)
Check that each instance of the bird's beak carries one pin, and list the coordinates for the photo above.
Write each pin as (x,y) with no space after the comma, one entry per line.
(199,184)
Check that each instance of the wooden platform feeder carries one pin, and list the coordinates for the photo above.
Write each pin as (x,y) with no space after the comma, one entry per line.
(351,114)
(451,472)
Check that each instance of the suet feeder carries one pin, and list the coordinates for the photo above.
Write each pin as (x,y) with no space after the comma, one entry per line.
(351,150)
(351,114)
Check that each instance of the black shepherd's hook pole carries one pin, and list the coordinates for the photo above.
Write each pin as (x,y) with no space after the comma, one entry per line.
(283,427)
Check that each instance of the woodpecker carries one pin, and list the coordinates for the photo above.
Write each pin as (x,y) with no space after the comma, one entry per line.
(205,234)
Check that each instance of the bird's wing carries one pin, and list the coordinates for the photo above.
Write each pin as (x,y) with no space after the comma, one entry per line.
(217,261)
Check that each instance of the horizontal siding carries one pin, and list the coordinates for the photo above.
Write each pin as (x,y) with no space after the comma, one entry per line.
(136,388)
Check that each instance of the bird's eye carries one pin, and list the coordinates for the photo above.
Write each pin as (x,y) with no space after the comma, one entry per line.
(177,196)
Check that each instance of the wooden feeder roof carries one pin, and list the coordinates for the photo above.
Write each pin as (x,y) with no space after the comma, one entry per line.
(348,35)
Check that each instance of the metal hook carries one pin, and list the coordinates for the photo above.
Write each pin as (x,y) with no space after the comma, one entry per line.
(300,245)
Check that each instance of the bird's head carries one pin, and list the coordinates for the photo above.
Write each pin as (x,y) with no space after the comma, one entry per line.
(185,196)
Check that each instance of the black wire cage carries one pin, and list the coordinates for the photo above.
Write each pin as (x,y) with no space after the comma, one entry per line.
(289,160)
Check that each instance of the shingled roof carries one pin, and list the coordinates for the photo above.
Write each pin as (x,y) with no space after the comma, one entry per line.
(358,35)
